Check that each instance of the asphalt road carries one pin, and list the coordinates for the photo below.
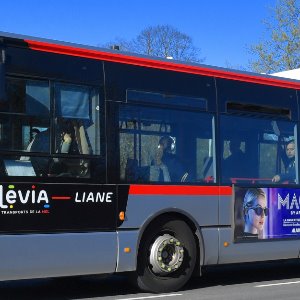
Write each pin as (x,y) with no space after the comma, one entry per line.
(280,280)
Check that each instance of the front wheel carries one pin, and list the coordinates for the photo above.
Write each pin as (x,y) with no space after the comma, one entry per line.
(167,256)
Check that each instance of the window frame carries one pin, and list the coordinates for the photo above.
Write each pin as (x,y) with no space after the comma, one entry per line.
(210,115)
(94,91)
(251,117)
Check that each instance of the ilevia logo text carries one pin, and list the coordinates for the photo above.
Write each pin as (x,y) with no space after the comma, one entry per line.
(12,196)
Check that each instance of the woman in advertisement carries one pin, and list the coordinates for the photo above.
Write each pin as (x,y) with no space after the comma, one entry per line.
(255,210)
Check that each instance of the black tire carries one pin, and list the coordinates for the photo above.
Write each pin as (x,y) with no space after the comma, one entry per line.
(149,281)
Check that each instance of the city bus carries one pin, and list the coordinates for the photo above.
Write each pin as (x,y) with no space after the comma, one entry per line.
(114,162)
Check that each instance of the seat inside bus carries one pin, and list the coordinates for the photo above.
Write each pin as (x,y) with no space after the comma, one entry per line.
(18,167)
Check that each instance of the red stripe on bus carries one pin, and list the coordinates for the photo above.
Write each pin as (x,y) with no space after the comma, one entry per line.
(151,63)
(60,198)
(180,190)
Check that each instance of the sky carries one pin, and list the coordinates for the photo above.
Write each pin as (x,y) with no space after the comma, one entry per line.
(222,29)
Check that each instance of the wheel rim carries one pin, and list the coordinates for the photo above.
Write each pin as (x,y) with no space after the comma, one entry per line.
(166,254)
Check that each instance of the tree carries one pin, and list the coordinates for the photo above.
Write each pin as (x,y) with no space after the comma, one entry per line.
(162,41)
(281,51)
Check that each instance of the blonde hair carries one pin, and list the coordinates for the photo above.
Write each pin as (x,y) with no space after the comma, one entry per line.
(251,196)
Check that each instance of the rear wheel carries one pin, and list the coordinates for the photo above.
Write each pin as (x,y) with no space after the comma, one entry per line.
(167,256)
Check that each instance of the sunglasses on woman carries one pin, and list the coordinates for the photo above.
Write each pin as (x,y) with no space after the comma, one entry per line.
(260,211)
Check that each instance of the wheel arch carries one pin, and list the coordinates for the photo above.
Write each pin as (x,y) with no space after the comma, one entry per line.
(189,220)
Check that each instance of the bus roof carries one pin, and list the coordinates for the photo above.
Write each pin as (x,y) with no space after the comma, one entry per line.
(72,49)
(292,74)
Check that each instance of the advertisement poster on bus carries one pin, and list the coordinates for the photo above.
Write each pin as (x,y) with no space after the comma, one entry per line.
(266,213)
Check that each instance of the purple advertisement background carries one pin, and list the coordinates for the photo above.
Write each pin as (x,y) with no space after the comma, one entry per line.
(283,220)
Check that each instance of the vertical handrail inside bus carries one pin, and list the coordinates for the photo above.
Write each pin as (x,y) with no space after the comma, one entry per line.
(2,75)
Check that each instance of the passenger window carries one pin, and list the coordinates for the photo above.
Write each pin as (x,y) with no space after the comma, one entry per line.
(77,130)
(163,145)
(62,143)
(258,150)
(27,108)
(77,120)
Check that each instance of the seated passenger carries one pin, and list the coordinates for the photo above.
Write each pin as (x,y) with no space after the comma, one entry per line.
(170,167)
(41,143)
(234,166)
(288,158)
(70,138)
(73,139)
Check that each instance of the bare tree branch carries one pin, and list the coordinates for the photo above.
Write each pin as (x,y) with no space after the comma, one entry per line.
(162,41)
(281,51)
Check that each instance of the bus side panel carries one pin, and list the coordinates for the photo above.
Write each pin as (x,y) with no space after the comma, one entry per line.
(249,251)
(141,208)
(51,255)
(225,210)
(210,240)
(57,207)
(255,250)
(127,259)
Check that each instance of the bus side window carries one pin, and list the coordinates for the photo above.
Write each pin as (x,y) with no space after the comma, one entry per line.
(258,149)
(164,145)
(77,129)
